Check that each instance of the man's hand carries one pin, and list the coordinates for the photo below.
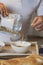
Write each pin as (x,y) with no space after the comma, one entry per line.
(3,9)
(38,23)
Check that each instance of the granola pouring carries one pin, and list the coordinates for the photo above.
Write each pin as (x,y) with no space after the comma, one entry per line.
(2,28)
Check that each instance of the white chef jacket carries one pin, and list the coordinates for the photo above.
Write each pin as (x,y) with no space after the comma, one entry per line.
(27,9)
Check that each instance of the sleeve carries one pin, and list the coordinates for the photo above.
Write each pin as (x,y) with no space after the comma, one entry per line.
(40,9)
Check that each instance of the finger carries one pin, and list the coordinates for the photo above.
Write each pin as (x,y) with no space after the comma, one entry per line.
(34,21)
(39,22)
(38,25)
(36,29)
(5,12)
(39,28)
(2,12)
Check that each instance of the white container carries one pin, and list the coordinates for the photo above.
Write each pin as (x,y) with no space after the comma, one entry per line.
(20,46)
(1,45)
(8,21)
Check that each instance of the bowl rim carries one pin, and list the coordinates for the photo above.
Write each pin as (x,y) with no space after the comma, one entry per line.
(14,44)
(2,44)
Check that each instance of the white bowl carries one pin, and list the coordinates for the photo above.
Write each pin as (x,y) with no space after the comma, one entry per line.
(20,46)
(1,45)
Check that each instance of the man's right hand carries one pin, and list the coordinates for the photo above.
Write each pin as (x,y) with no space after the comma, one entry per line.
(3,9)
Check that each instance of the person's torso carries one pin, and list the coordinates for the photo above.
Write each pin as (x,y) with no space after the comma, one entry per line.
(23,7)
